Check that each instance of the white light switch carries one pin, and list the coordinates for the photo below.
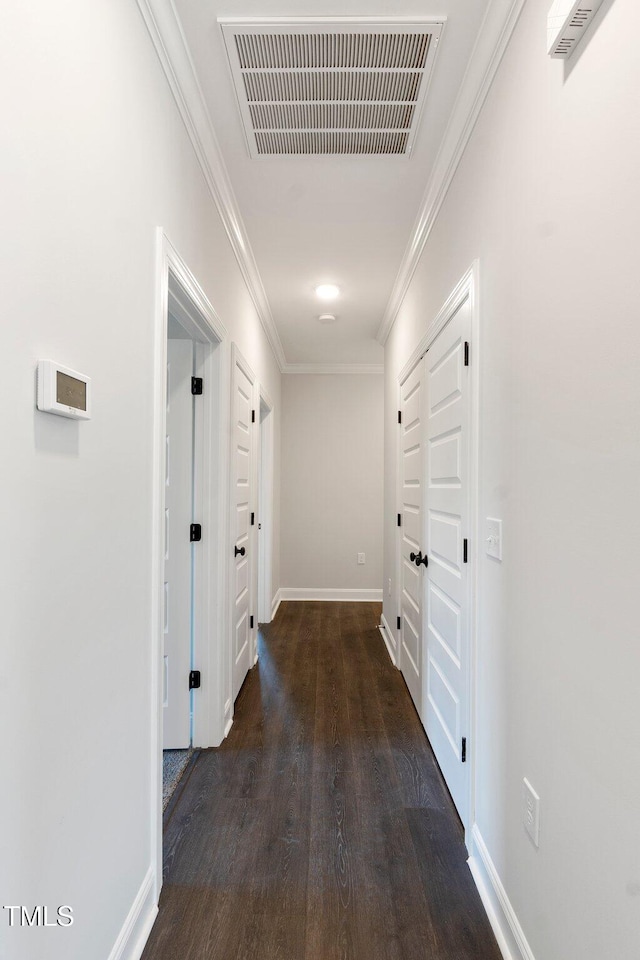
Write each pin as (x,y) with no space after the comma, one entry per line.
(361,558)
(493,538)
(531,811)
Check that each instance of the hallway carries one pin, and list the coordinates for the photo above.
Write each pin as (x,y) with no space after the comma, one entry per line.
(321,827)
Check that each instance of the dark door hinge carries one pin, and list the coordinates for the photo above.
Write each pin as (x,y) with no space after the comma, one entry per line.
(399,519)
(251,622)
(466,353)
(398,623)
(253,519)
(194,680)
(253,416)
(465,550)
(196,386)
(399,416)
(463,752)
(195,532)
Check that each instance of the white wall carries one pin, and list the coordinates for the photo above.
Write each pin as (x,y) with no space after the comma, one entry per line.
(93,158)
(332,468)
(548,197)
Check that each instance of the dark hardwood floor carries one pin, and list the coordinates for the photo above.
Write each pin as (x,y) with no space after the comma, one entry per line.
(321,828)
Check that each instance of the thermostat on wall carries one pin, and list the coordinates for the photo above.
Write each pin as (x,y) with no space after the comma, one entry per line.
(63,391)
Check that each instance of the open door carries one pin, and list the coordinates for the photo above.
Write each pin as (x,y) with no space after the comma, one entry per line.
(178,570)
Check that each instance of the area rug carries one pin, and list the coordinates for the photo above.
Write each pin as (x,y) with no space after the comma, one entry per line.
(174,763)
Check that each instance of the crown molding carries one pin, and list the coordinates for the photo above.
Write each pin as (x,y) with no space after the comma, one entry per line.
(170,44)
(498,25)
(328,369)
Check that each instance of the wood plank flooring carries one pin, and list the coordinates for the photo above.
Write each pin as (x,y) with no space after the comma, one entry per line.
(321,828)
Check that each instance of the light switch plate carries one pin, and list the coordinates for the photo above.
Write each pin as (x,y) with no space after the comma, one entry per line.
(493,538)
(531,811)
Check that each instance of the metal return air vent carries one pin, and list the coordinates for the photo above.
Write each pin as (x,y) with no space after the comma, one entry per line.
(567,24)
(330,88)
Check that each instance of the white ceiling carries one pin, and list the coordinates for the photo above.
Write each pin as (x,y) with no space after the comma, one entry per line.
(341,220)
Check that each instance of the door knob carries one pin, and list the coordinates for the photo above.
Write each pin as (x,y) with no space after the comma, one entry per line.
(417,558)
(240,551)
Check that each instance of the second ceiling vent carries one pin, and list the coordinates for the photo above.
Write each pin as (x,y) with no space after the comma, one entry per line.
(330,88)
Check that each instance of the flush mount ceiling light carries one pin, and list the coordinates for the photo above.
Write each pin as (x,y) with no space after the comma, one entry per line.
(327,318)
(327,291)
(325,87)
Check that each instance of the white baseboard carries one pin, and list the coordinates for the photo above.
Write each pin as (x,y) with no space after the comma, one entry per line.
(502,917)
(137,927)
(388,638)
(228,715)
(277,600)
(331,594)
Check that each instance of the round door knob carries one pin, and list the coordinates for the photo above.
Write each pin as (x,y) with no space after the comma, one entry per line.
(412,557)
(417,558)
(240,551)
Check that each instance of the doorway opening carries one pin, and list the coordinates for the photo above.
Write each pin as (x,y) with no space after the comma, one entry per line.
(190,526)
(180,546)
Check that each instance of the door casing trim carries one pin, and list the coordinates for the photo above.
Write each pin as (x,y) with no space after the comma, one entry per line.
(265,512)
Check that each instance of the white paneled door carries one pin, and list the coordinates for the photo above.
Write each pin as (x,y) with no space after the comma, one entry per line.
(412,399)
(243,499)
(447,581)
(177,546)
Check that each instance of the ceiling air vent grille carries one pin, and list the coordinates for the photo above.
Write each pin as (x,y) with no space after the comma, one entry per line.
(330,88)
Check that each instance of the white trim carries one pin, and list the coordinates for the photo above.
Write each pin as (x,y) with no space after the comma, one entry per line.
(387,636)
(498,25)
(140,919)
(463,290)
(472,281)
(302,21)
(502,917)
(326,369)
(170,44)
(157,555)
(265,512)
(275,603)
(329,593)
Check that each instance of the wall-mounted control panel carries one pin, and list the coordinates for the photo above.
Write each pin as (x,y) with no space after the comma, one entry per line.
(63,391)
